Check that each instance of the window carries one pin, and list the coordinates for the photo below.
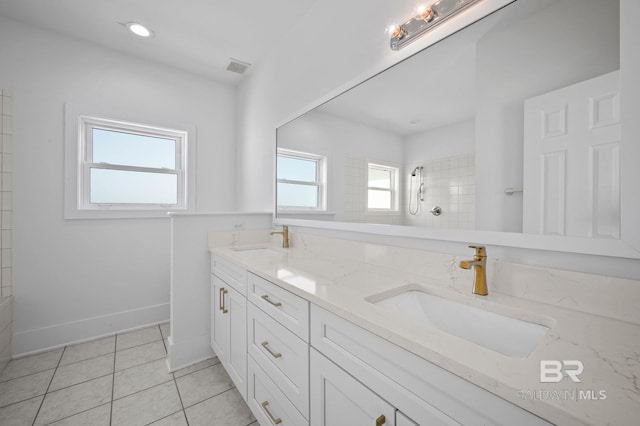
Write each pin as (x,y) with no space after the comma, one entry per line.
(382,190)
(130,166)
(300,180)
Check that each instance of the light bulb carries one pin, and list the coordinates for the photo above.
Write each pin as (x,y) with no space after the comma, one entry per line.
(139,29)
(395,30)
(425,12)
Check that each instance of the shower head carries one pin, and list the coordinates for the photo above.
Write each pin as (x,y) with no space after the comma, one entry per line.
(413,173)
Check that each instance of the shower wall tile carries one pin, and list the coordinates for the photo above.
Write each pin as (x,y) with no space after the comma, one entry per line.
(450,184)
(6,184)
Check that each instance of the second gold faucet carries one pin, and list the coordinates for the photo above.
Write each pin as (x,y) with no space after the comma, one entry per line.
(285,236)
(479,264)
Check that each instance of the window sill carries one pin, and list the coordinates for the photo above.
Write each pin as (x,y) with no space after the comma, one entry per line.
(120,214)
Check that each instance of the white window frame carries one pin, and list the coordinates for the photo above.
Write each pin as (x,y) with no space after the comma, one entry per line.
(393,190)
(320,181)
(79,123)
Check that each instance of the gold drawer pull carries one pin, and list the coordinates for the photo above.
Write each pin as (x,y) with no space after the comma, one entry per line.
(266,297)
(273,419)
(223,291)
(265,345)
(381,420)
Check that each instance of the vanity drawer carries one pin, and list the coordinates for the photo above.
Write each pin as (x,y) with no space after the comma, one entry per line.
(282,355)
(231,273)
(285,307)
(268,403)
(423,391)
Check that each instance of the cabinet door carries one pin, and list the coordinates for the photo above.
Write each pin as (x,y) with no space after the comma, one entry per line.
(236,359)
(338,399)
(219,321)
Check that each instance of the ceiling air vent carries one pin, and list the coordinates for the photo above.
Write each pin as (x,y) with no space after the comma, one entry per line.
(237,66)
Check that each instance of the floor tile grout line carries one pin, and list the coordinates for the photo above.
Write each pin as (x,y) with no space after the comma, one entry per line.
(162,338)
(48,386)
(30,374)
(162,418)
(141,390)
(195,371)
(59,364)
(139,365)
(213,396)
(35,372)
(141,344)
(79,383)
(75,414)
(184,413)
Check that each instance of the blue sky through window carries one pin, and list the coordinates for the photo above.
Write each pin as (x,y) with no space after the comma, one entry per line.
(111,186)
(129,149)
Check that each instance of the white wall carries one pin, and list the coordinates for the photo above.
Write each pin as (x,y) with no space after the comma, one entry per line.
(452,140)
(75,279)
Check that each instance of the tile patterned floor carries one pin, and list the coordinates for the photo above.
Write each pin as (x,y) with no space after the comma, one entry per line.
(118,380)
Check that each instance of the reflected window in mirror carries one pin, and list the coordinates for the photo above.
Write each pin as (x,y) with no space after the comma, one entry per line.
(301,180)
(382,188)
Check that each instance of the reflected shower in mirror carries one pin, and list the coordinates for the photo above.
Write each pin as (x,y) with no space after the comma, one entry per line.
(481,125)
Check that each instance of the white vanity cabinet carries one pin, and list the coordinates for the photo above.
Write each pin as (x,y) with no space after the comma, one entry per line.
(229,320)
(419,390)
(338,399)
(278,334)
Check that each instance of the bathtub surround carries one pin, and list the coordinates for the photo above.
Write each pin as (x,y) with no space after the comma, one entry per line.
(6,132)
(6,287)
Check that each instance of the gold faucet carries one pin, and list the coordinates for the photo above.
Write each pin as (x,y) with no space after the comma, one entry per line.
(479,264)
(285,236)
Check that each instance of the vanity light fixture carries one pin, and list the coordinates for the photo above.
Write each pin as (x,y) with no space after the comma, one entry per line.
(139,29)
(427,17)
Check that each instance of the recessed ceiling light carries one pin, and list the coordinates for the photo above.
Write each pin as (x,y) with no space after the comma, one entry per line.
(139,29)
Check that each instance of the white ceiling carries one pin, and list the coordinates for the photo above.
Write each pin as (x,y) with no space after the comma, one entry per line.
(195,35)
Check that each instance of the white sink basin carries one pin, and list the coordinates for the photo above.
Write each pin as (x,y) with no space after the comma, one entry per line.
(256,251)
(509,336)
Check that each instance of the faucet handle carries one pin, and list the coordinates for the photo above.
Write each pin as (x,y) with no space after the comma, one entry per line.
(481,251)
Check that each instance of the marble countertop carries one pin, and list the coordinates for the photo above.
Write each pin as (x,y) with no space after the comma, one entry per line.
(609,387)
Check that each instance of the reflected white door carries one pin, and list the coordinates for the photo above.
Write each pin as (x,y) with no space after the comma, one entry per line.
(572,160)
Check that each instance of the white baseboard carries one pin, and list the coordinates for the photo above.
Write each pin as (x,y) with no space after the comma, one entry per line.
(184,354)
(54,336)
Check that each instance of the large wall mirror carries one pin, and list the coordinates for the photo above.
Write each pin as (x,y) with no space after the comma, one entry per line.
(511,124)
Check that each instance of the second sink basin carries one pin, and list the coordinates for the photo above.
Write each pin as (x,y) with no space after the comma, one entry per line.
(506,335)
